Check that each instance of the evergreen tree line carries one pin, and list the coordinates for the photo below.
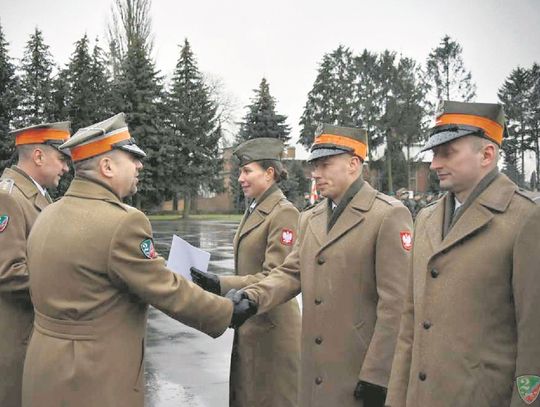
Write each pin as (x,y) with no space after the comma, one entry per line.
(394,98)
(179,122)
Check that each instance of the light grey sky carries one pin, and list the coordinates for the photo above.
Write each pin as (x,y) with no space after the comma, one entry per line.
(240,41)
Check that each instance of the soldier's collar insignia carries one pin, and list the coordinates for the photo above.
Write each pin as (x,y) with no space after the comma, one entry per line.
(528,388)
(147,248)
(4,219)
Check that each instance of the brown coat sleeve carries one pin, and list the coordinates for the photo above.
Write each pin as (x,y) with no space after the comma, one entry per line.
(526,287)
(283,218)
(391,268)
(283,282)
(155,284)
(13,269)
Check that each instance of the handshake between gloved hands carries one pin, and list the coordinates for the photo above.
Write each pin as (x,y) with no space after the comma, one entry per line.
(243,306)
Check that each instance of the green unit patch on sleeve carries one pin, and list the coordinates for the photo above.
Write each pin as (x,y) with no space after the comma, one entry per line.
(4,219)
(528,387)
(147,248)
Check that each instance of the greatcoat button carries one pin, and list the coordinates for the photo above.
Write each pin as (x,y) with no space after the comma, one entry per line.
(318,301)
(427,324)
(320,260)
(318,340)
(422,376)
(434,273)
(318,380)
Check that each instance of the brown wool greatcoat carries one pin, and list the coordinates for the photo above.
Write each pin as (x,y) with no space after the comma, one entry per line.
(22,203)
(91,284)
(352,281)
(458,344)
(265,360)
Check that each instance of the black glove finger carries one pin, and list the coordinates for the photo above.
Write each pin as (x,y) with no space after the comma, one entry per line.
(231,294)
(359,391)
(239,296)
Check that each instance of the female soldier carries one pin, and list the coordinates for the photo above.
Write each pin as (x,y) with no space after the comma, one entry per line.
(265,355)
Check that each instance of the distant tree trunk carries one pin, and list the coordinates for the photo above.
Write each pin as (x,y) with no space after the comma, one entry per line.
(175,202)
(187,205)
(537,154)
(389,161)
(408,167)
(138,203)
(194,204)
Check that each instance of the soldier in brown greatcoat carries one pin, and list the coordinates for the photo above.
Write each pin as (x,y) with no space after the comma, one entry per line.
(469,332)
(265,359)
(93,272)
(350,262)
(23,195)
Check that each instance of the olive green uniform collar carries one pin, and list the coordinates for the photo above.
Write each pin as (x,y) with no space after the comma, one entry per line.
(450,218)
(333,215)
(89,188)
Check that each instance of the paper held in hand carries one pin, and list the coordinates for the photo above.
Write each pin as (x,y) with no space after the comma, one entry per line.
(183,256)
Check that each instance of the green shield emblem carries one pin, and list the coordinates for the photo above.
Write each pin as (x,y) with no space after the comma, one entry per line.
(4,219)
(528,388)
(147,248)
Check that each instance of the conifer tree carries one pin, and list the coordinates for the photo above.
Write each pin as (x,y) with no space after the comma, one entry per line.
(36,105)
(447,75)
(331,97)
(261,119)
(195,131)
(366,93)
(8,102)
(514,95)
(534,121)
(138,92)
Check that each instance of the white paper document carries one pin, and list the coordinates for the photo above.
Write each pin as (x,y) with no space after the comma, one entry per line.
(183,256)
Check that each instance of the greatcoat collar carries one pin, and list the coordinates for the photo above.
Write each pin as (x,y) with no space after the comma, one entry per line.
(27,186)
(495,198)
(87,188)
(263,208)
(351,216)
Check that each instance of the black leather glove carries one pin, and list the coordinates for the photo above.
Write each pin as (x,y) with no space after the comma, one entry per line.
(207,281)
(371,394)
(243,307)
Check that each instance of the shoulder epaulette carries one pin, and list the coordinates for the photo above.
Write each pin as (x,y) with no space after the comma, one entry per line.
(6,185)
(311,206)
(533,196)
(388,199)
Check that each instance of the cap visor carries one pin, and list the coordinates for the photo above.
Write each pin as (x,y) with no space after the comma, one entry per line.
(444,137)
(324,152)
(133,149)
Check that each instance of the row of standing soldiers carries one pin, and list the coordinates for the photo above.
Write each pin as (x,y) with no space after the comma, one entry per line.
(442,316)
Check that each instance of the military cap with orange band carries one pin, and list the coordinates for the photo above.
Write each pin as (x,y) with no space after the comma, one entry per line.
(101,138)
(332,140)
(459,119)
(53,134)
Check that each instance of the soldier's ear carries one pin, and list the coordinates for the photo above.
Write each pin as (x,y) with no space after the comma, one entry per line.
(106,167)
(489,154)
(355,163)
(38,156)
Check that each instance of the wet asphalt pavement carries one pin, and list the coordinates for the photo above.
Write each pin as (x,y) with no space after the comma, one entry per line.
(183,366)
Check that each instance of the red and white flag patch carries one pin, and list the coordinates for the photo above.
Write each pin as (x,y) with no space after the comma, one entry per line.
(406,240)
(287,237)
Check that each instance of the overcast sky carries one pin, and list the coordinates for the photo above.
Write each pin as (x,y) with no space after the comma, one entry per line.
(240,41)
